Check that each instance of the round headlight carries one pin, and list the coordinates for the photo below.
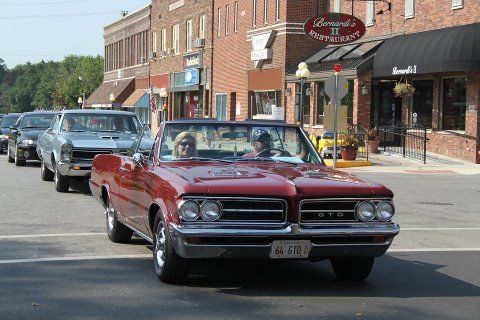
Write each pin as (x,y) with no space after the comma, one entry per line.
(189,211)
(211,211)
(384,211)
(366,211)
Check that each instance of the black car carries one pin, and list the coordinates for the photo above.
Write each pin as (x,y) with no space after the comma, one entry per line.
(5,123)
(22,141)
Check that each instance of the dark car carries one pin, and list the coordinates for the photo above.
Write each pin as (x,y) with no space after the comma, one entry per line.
(5,123)
(23,137)
(256,190)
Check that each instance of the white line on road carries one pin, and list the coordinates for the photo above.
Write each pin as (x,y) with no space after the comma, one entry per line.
(77,258)
(22,236)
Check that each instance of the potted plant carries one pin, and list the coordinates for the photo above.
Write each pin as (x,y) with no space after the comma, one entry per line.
(350,142)
(403,89)
(373,140)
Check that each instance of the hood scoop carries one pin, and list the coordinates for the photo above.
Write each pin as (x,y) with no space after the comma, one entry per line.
(110,137)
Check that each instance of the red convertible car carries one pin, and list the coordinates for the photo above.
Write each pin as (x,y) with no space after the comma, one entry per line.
(218,189)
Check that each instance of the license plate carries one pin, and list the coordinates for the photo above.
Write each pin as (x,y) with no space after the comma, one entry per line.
(290,249)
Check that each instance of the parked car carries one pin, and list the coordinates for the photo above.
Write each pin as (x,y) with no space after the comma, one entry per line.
(259,190)
(67,148)
(5,123)
(23,137)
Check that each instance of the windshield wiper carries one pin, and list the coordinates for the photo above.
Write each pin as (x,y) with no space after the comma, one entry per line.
(201,159)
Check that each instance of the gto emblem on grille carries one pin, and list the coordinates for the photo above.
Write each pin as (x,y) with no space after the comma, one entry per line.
(330,215)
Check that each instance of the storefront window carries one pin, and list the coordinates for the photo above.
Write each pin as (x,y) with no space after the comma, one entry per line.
(422,103)
(263,102)
(454,102)
(323,99)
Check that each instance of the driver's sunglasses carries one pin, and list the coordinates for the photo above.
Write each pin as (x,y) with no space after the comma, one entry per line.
(186,143)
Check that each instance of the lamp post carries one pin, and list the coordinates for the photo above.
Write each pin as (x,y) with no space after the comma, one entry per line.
(302,74)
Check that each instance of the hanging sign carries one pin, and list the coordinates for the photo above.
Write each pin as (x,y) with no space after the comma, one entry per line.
(334,28)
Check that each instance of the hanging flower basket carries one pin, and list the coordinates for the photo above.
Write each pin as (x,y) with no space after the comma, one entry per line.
(403,89)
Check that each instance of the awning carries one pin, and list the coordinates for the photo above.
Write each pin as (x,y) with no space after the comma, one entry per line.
(352,56)
(117,89)
(137,99)
(442,50)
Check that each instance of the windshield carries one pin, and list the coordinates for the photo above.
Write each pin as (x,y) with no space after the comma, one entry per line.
(100,123)
(40,121)
(7,121)
(236,142)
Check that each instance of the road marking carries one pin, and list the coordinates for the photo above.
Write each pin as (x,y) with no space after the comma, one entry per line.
(77,258)
(434,250)
(24,236)
(437,229)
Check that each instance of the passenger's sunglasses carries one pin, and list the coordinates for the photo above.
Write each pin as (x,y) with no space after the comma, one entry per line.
(186,143)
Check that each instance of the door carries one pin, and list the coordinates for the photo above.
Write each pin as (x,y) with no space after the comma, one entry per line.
(221,106)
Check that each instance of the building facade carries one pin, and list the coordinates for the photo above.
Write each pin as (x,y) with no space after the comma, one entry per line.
(126,70)
(432,45)
(182,64)
(255,42)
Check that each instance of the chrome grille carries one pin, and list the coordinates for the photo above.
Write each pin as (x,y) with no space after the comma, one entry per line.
(318,211)
(249,210)
(87,155)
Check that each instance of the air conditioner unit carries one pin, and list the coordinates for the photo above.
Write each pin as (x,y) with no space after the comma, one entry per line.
(152,55)
(163,53)
(199,43)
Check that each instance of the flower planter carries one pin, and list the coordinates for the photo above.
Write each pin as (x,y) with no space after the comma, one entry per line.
(349,153)
(373,146)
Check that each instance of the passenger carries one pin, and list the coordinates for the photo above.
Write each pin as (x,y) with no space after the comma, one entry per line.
(68,124)
(261,140)
(184,146)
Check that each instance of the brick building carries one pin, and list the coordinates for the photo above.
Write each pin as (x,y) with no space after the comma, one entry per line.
(255,42)
(433,45)
(182,42)
(126,69)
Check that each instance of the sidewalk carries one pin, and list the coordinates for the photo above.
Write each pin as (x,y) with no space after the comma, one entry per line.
(386,162)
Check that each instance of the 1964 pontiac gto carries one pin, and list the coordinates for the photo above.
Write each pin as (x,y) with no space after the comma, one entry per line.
(212,189)
(66,149)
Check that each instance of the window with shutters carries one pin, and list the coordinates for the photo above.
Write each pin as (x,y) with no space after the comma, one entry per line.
(370,13)
(409,9)
(457,4)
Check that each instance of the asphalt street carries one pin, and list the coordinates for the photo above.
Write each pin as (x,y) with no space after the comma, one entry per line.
(57,263)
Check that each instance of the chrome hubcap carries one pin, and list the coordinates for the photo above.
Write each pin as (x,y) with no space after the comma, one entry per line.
(160,245)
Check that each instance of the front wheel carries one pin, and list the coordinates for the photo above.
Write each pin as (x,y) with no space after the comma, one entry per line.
(62,182)
(355,269)
(169,266)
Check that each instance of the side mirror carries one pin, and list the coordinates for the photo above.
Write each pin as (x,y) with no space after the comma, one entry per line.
(138,159)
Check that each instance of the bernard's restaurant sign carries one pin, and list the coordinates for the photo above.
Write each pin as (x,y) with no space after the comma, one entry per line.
(334,28)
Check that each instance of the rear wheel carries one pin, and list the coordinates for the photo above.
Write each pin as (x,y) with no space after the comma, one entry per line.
(356,269)
(9,156)
(116,231)
(45,173)
(169,266)
(62,182)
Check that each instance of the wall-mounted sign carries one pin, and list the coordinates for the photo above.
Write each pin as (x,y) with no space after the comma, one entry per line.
(193,60)
(334,28)
(261,44)
(407,70)
(191,77)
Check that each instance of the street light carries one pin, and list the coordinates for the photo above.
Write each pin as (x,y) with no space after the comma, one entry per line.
(302,74)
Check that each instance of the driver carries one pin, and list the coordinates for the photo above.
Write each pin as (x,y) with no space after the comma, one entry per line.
(261,140)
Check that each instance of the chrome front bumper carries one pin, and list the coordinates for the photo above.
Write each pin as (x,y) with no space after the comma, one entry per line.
(326,241)
(75,169)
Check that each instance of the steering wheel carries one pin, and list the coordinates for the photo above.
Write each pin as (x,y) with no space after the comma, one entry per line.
(279,153)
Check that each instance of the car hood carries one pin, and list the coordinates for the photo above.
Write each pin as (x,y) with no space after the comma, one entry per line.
(275,179)
(31,133)
(101,140)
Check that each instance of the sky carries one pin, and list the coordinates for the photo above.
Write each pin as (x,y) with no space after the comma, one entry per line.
(35,30)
